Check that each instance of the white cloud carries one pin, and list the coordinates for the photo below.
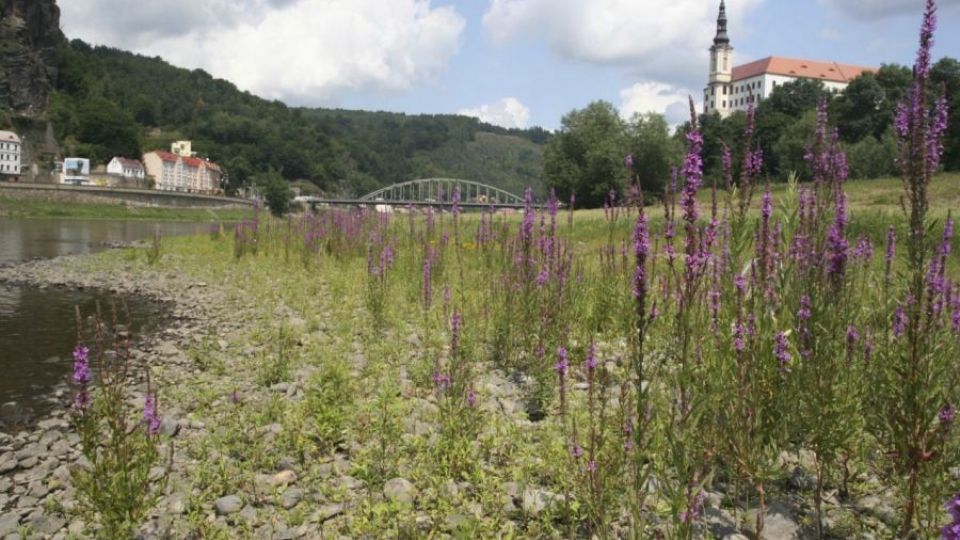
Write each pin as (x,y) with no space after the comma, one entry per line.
(656,97)
(508,112)
(876,9)
(659,38)
(303,51)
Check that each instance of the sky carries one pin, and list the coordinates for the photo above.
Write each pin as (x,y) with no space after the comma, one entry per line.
(514,63)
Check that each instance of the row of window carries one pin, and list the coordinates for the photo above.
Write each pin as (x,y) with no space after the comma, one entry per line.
(9,146)
(739,102)
(9,157)
(5,167)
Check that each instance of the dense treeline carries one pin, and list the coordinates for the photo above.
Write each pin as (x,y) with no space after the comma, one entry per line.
(586,155)
(111,102)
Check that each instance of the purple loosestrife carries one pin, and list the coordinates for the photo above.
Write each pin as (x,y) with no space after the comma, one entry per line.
(864,250)
(951,531)
(150,417)
(890,253)
(563,362)
(899,322)
(456,327)
(529,216)
(641,250)
(947,415)
(837,244)
(81,378)
(427,280)
(591,362)
(471,398)
(781,351)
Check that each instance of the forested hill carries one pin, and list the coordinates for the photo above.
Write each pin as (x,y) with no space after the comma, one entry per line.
(111,102)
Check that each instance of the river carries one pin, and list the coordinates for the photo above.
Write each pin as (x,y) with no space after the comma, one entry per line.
(38,326)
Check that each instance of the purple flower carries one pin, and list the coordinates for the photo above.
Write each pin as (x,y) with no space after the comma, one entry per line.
(591,357)
(628,162)
(81,365)
(929,26)
(81,377)
(864,249)
(694,508)
(852,336)
(891,251)
(471,398)
(529,215)
(563,361)
(780,351)
(947,415)
(740,282)
(899,322)
(150,417)
(543,277)
(441,380)
(837,244)
(592,466)
(641,249)
(739,332)
(576,451)
(427,281)
(952,531)
(456,324)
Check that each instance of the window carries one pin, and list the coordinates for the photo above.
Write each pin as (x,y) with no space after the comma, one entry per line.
(724,104)
(724,90)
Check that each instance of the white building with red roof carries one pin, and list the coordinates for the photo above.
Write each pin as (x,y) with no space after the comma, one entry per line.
(127,168)
(174,172)
(733,88)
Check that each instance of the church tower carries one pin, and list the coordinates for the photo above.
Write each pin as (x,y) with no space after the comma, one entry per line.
(717,95)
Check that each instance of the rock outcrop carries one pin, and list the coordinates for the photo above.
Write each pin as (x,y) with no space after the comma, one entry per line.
(29,39)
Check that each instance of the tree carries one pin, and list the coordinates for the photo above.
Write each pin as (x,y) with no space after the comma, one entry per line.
(654,151)
(586,156)
(946,75)
(793,143)
(794,98)
(276,192)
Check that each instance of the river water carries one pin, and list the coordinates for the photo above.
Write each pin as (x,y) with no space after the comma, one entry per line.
(38,326)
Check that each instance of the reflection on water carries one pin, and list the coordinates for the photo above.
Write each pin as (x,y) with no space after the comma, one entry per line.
(38,327)
(26,239)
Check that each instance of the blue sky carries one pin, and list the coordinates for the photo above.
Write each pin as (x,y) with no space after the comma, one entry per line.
(511,62)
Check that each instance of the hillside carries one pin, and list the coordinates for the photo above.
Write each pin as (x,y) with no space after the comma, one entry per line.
(111,102)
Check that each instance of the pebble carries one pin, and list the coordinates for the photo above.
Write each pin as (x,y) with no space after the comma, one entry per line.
(231,504)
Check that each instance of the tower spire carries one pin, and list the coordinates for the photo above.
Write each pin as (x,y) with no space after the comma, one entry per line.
(722,38)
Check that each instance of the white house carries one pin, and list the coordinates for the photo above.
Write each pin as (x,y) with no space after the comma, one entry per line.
(127,168)
(733,88)
(9,154)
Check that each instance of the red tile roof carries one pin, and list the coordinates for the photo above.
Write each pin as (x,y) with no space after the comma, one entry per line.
(166,156)
(792,67)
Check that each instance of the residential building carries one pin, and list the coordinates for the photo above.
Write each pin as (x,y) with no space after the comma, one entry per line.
(733,88)
(10,150)
(127,168)
(173,172)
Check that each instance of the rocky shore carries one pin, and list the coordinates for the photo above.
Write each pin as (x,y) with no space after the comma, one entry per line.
(232,475)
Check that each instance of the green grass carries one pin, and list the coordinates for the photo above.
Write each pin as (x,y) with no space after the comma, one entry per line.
(10,207)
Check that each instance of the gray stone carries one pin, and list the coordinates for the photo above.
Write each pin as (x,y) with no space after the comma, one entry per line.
(231,504)
(9,523)
(8,465)
(536,500)
(291,498)
(400,490)
(327,511)
(283,478)
(33,450)
(47,524)
(177,504)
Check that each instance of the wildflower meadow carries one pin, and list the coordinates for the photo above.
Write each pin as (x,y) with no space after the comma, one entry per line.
(732,357)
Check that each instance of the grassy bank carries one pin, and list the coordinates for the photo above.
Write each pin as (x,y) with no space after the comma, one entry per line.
(415,399)
(10,207)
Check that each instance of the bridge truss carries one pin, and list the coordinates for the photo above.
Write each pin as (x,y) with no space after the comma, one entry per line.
(439,191)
